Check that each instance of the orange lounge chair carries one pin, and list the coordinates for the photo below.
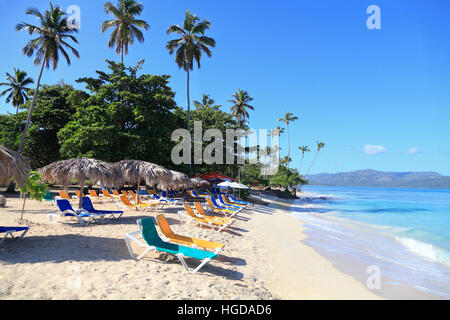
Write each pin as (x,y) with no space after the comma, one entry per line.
(193,242)
(215,224)
(202,212)
(125,203)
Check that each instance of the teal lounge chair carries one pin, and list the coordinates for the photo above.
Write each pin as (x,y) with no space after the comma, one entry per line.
(48,197)
(152,241)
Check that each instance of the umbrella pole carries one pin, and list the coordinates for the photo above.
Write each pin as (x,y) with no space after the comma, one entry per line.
(81,191)
(137,191)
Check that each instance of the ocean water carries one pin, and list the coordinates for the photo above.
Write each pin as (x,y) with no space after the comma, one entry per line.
(404,233)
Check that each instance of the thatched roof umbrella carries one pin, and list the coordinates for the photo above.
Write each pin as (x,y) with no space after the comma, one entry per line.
(136,171)
(199,182)
(13,165)
(179,181)
(82,169)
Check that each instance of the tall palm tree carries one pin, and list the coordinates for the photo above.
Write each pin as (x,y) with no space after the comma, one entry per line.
(207,103)
(17,88)
(189,47)
(320,145)
(240,105)
(288,118)
(303,149)
(126,26)
(53,32)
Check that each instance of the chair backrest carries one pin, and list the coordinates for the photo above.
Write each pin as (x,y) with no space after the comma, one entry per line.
(93,193)
(164,226)
(116,193)
(143,193)
(208,200)
(63,205)
(125,200)
(156,196)
(131,192)
(199,208)
(64,194)
(164,194)
(86,204)
(214,201)
(152,237)
(190,211)
(106,193)
(78,194)
(48,196)
(125,193)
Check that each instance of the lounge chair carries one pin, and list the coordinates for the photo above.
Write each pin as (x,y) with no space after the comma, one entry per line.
(108,195)
(116,193)
(193,242)
(215,224)
(86,204)
(93,194)
(167,200)
(224,200)
(239,201)
(66,210)
(225,211)
(202,212)
(152,241)
(226,205)
(48,197)
(64,195)
(125,203)
(9,231)
(144,195)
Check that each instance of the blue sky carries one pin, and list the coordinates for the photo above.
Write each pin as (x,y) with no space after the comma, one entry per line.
(379,99)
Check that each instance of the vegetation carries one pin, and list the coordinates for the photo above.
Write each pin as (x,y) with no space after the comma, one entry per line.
(17,88)
(53,32)
(35,187)
(189,47)
(126,26)
(123,114)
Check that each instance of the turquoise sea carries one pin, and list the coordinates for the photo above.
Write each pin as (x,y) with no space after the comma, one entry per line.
(405,233)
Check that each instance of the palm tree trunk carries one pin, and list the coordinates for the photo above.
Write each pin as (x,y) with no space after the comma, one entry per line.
(289,146)
(188,104)
(30,111)
(301,162)
(121,54)
(315,157)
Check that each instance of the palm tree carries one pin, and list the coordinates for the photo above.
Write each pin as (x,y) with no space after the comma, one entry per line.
(288,118)
(286,160)
(207,103)
(320,145)
(53,31)
(17,88)
(240,105)
(303,149)
(126,26)
(189,47)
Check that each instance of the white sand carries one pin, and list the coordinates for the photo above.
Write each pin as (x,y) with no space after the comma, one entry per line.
(263,258)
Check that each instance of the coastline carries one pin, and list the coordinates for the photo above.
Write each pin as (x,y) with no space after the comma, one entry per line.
(263,258)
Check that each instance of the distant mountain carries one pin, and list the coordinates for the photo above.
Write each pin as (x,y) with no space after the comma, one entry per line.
(373,178)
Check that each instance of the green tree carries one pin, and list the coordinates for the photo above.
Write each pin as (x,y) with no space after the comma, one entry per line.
(125,116)
(189,47)
(303,149)
(320,145)
(288,118)
(206,103)
(240,105)
(35,187)
(53,32)
(126,26)
(17,88)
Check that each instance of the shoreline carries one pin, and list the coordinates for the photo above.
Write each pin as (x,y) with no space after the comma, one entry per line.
(93,262)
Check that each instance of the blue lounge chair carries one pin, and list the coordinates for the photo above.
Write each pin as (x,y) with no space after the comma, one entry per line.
(213,200)
(152,241)
(66,210)
(9,231)
(86,204)
(167,200)
(228,204)
(236,200)
(144,194)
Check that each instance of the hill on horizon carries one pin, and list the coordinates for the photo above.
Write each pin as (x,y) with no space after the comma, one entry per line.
(374,178)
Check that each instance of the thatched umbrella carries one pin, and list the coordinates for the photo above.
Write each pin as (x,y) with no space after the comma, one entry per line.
(199,182)
(13,165)
(136,171)
(82,169)
(179,180)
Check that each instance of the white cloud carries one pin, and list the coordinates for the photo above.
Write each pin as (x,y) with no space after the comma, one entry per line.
(413,150)
(373,149)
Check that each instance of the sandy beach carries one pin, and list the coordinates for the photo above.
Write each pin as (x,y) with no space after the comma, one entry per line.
(263,258)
